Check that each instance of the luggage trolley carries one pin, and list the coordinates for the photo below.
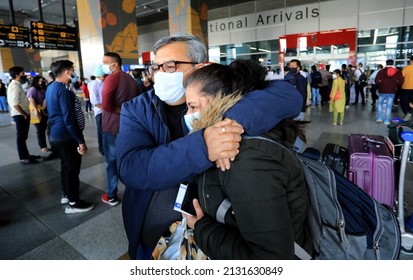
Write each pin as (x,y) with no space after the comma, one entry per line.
(400,142)
(394,141)
(407,237)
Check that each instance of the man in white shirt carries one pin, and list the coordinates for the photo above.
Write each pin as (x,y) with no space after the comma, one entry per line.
(95,94)
(373,88)
(358,86)
(19,110)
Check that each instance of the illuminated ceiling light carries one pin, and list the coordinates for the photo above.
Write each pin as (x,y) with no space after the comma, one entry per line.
(376,31)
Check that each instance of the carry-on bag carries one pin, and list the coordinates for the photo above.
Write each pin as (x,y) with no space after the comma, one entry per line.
(371,166)
(336,157)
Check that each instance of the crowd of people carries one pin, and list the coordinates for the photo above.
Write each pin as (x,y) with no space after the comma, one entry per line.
(320,85)
(184,120)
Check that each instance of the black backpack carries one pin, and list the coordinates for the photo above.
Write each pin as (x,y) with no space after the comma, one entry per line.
(346,223)
(363,79)
(316,79)
(346,76)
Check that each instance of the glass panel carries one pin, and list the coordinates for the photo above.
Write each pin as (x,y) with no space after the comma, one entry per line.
(378,36)
(265,51)
(377,45)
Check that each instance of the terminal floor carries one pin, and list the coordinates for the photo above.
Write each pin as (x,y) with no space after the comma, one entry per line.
(39,229)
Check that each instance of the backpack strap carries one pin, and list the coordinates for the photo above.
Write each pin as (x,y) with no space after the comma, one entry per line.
(301,253)
(298,250)
(222,210)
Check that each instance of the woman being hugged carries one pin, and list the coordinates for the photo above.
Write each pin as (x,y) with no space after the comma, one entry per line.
(338,97)
(264,190)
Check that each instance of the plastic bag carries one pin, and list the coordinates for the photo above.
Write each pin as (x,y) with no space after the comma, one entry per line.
(180,245)
(35,118)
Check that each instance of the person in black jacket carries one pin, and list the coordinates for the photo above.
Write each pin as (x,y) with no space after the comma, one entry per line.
(296,78)
(315,84)
(265,188)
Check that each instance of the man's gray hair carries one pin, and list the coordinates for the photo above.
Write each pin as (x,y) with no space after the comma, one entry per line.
(195,50)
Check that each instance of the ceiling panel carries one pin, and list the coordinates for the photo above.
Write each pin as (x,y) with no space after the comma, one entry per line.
(147,11)
(52,10)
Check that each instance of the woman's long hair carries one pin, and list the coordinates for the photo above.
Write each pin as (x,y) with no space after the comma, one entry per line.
(35,83)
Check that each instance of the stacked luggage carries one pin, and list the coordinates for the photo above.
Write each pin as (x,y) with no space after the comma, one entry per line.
(377,165)
(371,166)
(367,162)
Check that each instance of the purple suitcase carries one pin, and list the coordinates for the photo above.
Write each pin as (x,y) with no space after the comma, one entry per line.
(371,166)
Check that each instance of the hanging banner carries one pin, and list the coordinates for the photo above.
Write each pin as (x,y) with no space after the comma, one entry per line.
(53,36)
(14,36)
(119,29)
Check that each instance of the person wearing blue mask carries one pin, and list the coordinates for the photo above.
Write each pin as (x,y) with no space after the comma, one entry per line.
(66,123)
(155,152)
(118,88)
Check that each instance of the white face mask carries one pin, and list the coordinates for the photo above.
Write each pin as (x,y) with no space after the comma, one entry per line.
(106,68)
(334,76)
(189,118)
(168,86)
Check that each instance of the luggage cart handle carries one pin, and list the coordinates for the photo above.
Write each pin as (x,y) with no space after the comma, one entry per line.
(407,136)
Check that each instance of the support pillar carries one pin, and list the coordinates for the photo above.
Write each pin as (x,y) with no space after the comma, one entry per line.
(107,26)
(189,16)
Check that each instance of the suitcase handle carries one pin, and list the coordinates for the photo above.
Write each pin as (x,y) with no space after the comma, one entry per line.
(367,185)
(370,140)
(350,175)
(364,185)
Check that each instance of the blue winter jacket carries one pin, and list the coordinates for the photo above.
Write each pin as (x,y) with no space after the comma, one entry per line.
(148,161)
(60,104)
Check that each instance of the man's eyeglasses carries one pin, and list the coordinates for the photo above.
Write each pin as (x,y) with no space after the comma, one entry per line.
(168,66)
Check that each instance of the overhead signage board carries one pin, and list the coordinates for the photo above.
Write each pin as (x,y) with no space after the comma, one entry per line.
(53,36)
(14,36)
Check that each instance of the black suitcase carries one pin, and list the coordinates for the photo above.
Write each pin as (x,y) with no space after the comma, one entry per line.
(336,157)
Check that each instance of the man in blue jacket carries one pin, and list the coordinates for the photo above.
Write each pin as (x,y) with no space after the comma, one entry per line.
(155,153)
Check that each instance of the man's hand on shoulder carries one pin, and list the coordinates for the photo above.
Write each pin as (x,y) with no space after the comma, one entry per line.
(223,140)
